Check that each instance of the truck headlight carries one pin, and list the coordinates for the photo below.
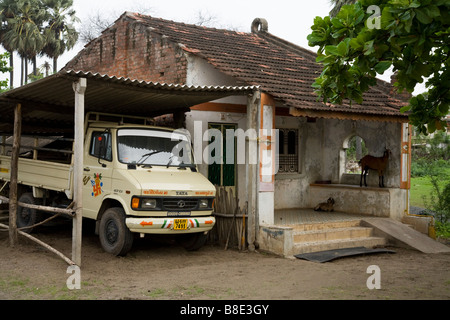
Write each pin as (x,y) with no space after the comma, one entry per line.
(203,203)
(144,203)
(148,203)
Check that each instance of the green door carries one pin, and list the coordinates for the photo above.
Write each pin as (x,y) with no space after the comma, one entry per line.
(223,174)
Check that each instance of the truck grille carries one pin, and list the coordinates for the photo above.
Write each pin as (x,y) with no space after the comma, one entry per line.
(180,204)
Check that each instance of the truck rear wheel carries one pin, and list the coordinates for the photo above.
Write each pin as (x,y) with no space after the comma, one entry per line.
(192,241)
(27,217)
(115,237)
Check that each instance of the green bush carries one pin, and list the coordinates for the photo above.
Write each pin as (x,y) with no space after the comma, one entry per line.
(419,168)
(430,159)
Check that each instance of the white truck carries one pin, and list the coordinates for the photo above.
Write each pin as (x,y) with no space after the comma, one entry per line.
(138,179)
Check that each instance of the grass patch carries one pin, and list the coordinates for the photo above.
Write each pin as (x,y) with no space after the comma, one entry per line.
(420,187)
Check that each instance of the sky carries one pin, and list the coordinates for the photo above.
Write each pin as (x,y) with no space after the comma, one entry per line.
(288,19)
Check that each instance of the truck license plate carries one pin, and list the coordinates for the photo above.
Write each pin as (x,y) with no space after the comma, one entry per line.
(180,224)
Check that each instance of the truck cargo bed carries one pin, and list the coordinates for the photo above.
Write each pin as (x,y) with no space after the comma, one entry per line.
(42,174)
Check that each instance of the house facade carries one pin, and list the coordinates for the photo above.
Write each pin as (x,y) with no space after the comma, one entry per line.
(306,144)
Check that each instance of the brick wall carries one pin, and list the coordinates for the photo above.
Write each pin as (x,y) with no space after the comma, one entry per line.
(128,50)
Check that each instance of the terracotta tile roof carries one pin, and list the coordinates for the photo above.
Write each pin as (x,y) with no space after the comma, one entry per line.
(280,68)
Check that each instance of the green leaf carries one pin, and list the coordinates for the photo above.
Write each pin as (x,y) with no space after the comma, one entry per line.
(387,19)
(342,47)
(331,50)
(368,47)
(431,126)
(443,109)
(356,44)
(382,66)
(405,109)
(422,16)
(432,11)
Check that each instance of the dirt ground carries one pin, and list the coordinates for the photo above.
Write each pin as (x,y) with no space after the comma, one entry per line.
(160,271)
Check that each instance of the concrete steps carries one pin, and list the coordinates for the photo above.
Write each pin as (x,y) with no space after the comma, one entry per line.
(334,235)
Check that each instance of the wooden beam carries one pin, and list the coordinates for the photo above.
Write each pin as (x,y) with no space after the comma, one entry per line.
(13,176)
(80,88)
(67,212)
(46,246)
(253,103)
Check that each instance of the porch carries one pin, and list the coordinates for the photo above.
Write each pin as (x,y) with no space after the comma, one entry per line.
(304,230)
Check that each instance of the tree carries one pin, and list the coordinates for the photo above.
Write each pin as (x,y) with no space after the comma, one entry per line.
(36,27)
(99,21)
(60,33)
(369,37)
(7,10)
(4,68)
(23,33)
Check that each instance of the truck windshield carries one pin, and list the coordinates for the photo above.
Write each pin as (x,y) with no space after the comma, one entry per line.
(153,148)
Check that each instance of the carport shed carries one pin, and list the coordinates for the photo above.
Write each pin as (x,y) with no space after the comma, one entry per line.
(57,105)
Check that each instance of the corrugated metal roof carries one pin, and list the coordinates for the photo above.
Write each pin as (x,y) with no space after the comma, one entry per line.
(48,104)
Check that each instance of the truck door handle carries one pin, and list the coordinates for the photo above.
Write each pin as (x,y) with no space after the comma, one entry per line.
(87,169)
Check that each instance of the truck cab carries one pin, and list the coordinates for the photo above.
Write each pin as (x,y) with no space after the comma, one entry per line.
(143,179)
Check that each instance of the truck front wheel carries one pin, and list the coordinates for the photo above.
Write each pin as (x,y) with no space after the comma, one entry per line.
(115,237)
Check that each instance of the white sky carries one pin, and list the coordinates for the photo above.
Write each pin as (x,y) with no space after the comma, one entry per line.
(287,19)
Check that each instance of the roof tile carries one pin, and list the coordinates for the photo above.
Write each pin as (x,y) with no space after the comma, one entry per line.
(280,68)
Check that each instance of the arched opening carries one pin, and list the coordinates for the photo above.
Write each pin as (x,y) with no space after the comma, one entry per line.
(355,149)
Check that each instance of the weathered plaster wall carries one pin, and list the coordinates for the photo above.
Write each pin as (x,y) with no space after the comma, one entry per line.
(370,201)
(321,157)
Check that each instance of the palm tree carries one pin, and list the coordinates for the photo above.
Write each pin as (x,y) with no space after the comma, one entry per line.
(338,5)
(23,33)
(60,33)
(8,8)
(32,27)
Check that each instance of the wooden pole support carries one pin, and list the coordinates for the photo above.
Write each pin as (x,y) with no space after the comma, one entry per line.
(79,88)
(14,174)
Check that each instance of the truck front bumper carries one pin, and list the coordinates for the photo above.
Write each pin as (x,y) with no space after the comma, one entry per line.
(170,225)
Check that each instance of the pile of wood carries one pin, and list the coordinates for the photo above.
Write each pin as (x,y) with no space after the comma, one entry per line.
(231,220)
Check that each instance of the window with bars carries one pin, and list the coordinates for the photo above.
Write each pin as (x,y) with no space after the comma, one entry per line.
(288,159)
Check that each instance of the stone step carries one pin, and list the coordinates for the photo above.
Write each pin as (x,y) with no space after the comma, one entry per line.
(326,225)
(316,246)
(332,234)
